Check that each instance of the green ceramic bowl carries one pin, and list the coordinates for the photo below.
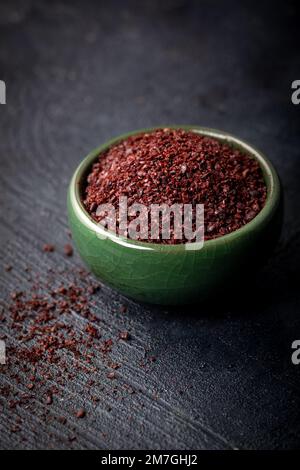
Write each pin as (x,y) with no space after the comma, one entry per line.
(176,274)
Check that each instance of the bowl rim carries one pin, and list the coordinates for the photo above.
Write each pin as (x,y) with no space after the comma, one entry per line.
(269,174)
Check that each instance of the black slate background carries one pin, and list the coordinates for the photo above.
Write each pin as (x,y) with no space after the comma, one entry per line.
(79,73)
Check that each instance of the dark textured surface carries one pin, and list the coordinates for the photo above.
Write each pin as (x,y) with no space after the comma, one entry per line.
(78,73)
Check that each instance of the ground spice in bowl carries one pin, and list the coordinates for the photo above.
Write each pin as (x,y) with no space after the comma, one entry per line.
(168,166)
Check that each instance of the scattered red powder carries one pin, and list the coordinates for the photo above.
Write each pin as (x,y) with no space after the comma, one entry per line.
(68,250)
(48,248)
(47,351)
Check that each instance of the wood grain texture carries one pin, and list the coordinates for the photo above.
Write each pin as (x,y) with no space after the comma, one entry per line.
(78,75)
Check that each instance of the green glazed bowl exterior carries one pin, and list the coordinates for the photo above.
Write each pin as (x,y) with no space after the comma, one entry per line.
(176,274)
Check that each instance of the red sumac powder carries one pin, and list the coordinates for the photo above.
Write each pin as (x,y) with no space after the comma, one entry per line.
(168,166)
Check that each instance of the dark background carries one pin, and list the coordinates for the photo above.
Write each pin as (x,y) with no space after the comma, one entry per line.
(79,73)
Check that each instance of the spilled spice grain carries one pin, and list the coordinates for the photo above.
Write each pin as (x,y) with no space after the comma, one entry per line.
(123,308)
(68,250)
(124,335)
(49,399)
(48,248)
(111,375)
(80,413)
